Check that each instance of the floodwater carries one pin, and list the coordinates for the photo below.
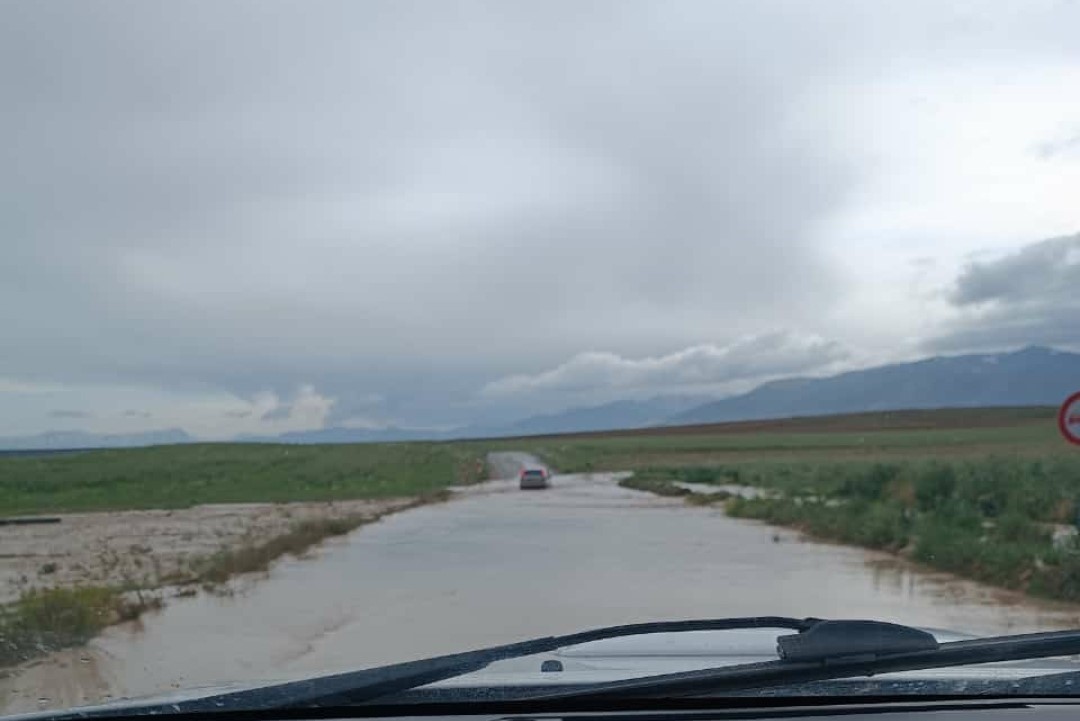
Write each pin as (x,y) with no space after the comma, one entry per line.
(498,564)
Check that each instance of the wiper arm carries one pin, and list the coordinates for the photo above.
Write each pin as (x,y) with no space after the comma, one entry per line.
(827,658)
(359,687)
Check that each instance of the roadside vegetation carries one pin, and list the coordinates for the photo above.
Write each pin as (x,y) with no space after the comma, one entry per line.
(218,568)
(666,482)
(1006,521)
(661,486)
(50,619)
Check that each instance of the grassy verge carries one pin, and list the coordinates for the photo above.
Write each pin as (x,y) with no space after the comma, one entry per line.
(659,486)
(51,619)
(664,482)
(304,535)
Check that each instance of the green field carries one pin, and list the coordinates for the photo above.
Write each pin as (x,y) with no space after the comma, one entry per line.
(181,476)
(905,435)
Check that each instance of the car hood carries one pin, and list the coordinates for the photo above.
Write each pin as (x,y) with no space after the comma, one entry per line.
(638,656)
(633,657)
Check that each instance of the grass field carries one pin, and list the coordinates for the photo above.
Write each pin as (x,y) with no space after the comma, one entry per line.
(897,435)
(181,476)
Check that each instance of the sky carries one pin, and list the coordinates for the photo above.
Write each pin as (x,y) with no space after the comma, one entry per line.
(257,217)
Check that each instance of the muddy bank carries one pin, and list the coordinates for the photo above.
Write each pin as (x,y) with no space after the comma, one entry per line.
(150,548)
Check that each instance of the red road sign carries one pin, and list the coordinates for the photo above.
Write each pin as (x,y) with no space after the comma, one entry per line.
(1069,418)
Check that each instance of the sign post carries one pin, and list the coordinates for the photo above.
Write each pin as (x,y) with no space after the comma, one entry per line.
(1069,418)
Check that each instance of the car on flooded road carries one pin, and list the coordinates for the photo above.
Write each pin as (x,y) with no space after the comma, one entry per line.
(534,478)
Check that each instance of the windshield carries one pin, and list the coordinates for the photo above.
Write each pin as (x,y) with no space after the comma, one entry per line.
(336,335)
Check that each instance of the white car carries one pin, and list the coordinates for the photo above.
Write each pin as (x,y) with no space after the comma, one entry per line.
(534,478)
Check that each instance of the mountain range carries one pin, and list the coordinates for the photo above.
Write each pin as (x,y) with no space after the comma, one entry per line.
(617,414)
(1031,376)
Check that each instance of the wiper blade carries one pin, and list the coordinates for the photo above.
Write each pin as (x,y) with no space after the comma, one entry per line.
(808,664)
(359,687)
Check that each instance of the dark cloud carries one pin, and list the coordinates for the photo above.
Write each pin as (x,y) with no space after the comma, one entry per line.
(1047,272)
(1064,145)
(131,413)
(1030,296)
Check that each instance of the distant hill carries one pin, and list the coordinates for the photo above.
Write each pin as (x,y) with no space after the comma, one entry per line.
(65,440)
(606,417)
(1029,377)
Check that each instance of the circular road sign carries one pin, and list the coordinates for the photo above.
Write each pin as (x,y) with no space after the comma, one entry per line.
(1069,418)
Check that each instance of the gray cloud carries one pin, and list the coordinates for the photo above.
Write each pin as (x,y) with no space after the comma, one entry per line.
(307,406)
(1030,296)
(411,199)
(132,413)
(279,413)
(1063,145)
(1042,273)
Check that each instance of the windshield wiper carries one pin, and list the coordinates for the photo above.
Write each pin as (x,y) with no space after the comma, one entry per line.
(359,687)
(833,650)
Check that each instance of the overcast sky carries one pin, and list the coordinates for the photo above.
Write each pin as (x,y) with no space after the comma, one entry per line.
(251,217)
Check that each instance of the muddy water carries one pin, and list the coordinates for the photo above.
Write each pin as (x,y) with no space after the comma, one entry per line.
(496,565)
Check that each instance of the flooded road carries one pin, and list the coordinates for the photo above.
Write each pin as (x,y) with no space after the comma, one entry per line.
(497,564)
